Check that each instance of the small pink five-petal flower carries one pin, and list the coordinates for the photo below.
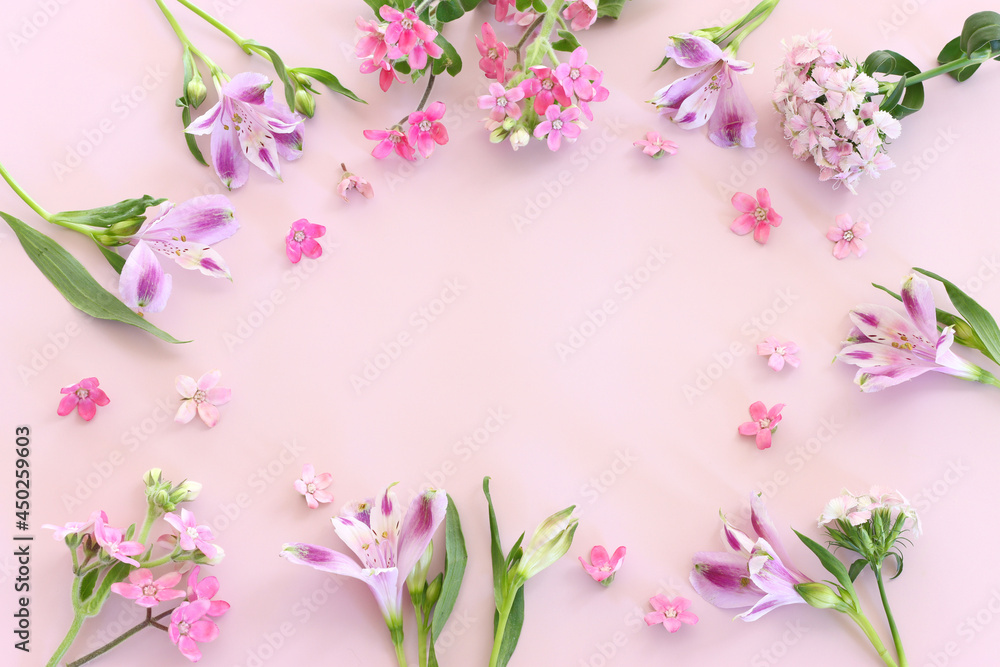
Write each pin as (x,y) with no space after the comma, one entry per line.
(426,129)
(188,625)
(192,536)
(351,181)
(576,76)
(671,613)
(114,544)
(846,235)
(656,146)
(390,140)
(545,88)
(494,55)
(145,591)
(758,215)
(557,124)
(206,589)
(201,397)
(302,235)
(77,527)
(602,568)
(581,14)
(764,423)
(85,396)
(778,353)
(501,102)
(312,486)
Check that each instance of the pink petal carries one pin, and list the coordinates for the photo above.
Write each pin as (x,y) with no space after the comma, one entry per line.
(776,362)
(248,87)
(744,202)
(743,224)
(617,556)
(599,556)
(209,379)
(188,648)
(654,618)
(749,428)
(219,395)
(300,486)
(185,412)
(690,51)
(671,624)
(761,233)
(764,438)
(67,404)
(859,247)
(209,414)
(734,120)
(143,284)
(228,160)
(764,198)
(87,409)
(841,249)
(758,411)
(835,233)
(323,481)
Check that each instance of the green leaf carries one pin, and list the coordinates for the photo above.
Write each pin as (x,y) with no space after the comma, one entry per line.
(377,4)
(496,550)
(74,282)
(967,42)
(87,584)
(117,573)
(469,5)
(522,5)
(402,67)
(539,6)
(978,317)
(568,43)
(986,37)
(279,69)
(449,61)
(662,64)
(455,558)
(951,52)
(432,659)
(192,142)
(512,631)
(611,9)
(116,261)
(328,80)
(894,64)
(449,10)
(829,561)
(857,567)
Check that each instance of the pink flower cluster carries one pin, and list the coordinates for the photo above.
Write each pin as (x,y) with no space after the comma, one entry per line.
(828,112)
(401,35)
(857,509)
(426,130)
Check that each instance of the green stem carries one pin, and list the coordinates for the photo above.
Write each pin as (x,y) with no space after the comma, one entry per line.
(24,195)
(400,654)
(186,43)
(152,514)
(719,35)
(422,627)
(900,654)
(116,641)
(524,38)
(876,641)
(501,626)
(395,626)
(423,100)
(752,21)
(74,629)
(541,46)
(220,26)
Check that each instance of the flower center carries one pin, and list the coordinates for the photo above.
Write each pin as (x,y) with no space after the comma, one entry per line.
(557,124)
(299,237)
(764,422)
(311,488)
(501,102)
(848,235)
(82,393)
(548,84)
(183,627)
(760,214)
(394,138)
(574,74)
(192,532)
(670,613)
(200,396)
(779,350)
(149,590)
(493,54)
(425,126)
(406,23)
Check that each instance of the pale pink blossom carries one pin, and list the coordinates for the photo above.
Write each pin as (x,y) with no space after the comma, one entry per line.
(426,129)
(779,353)
(192,537)
(502,103)
(312,486)
(670,612)
(146,591)
(847,236)
(85,396)
(77,527)
(201,398)
(581,14)
(603,568)
(206,589)
(351,181)
(113,541)
(764,423)
(558,124)
(656,146)
(371,44)
(188,627)
(757,215)
(390,140)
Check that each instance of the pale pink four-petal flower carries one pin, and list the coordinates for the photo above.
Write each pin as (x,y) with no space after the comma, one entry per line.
(201,398)
(778,353)
(351,181)
(581,14)
(113,541)
(501,102)
(558,123)
(847,236)
(191,536)
(656,146)
(77,527)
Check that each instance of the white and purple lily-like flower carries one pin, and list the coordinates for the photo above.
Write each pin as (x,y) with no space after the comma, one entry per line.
(756,572)
(184,233)
(711,95)
(248,127)
(386,541)
(889,348)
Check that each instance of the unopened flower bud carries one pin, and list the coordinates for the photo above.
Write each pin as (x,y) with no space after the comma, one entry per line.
(508,123)
(152,477)
(519,138)
(202,559)
(551,541)
(162,500)
(498,135)
(305,103)
(822,596)
(185,492)
(418,576)
(434,591)
(195,91)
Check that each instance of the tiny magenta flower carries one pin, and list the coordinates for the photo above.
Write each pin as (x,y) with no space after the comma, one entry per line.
(494,55)
(426,129)
(312,486)
(602,568)
(188,627)
(558,123)
(145,591)
(201,397)
(386,72)
(671,613)
(351,181)
(502,103)
(581,14)
(757,215)
(114,544)
(85,396)
(779,353)
(847,236)
(390,140)
(764,423)
(301,240)
(192,536)
(656,146)
(206,589)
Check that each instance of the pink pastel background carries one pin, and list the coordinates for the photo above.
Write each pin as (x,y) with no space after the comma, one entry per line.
(531,245)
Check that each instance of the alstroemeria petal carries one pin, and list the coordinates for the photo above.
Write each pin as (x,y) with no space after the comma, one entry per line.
(227,159)
(143,284)
(690,51)
(919,303)
(734,121)
(422,519)
(207,219)
(723,580)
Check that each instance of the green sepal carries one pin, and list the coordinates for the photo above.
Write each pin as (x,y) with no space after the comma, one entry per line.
(456,556)
(981,321)
(74,281)
(567,42)
(192,142)
(328,80)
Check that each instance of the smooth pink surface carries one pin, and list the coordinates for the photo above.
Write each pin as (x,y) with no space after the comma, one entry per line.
(484,305)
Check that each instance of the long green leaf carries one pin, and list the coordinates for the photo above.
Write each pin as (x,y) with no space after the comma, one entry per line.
(192,142)
(972,37)
(978,317)
(87,584)
(496,550)
(279,69)
(512,632)
(328,80)
(455,558)
(74,282)
(830,562)
(117,573)
(951,52)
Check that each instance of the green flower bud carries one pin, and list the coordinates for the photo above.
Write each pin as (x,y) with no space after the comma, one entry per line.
(434,591)
(152,477)
(202,559)
(519,138)
(551,541)
(185,492)
(498,135)
(305,103)
(161,499)
(417,578)
(195,91)
(822,596)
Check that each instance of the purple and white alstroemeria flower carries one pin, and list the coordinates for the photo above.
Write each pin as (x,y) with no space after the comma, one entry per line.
(711,95)
(182,232)
(756,572)
(249,127)
(895,348)
(386,541)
